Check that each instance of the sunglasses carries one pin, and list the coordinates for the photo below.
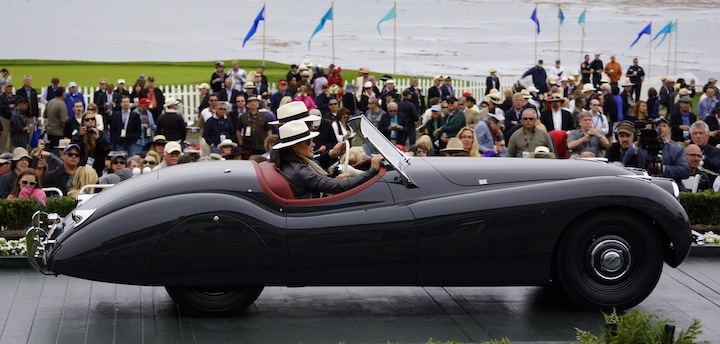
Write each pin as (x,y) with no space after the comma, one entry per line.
(333,104)
(528,119)
(392,111)
(119,162)
(148,162)
(73,155)
(27,182)
(89,119)
(213,100)
(222,108)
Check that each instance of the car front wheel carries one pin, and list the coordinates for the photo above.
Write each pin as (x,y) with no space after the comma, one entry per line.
(609,260)
(213,301)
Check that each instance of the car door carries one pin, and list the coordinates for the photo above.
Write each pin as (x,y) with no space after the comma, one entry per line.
(364,239)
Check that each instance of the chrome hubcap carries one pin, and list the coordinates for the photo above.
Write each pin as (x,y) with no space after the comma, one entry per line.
(610,258)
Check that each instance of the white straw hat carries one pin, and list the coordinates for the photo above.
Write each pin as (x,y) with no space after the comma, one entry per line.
(294,132)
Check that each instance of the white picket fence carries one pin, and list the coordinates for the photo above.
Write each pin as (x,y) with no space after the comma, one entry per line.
(189,95)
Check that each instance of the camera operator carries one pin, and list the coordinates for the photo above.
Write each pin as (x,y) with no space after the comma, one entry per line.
(656,155)
(624,136)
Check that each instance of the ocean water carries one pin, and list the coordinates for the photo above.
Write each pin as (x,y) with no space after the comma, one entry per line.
(463,38)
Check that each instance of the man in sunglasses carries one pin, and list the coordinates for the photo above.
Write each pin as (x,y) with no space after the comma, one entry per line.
(62,176)
(525,140)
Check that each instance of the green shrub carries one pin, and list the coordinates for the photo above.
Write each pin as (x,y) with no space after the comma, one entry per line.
(61,206)
(17,213)
(702,207)
(639,327)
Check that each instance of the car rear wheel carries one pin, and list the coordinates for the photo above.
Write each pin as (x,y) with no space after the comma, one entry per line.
(213,301)
(610,260)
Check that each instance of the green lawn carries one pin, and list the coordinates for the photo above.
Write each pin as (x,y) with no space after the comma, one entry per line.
(86,73)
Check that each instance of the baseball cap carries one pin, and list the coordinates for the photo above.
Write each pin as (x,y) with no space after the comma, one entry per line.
(435,108)
(72,84)
(282,82)
(172,147)
(72,145)
(144,101)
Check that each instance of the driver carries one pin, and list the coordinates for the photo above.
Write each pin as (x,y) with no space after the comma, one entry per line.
(306,178)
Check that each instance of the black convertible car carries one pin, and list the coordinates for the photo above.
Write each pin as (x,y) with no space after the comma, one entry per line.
(214,234)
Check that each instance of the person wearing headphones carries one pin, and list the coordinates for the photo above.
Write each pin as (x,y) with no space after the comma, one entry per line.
(624,136)
(672,163)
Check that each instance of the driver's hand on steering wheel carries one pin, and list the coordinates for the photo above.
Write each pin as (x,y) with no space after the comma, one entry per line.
(375,161)
(337,150)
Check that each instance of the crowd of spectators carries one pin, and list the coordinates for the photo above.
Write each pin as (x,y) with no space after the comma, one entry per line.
(593,111)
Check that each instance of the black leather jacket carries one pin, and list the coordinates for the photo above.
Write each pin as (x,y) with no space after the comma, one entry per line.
(306,183)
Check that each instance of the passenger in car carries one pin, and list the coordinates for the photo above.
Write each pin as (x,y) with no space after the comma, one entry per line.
(306,178)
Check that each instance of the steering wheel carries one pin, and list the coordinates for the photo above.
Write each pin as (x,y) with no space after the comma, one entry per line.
(347,157)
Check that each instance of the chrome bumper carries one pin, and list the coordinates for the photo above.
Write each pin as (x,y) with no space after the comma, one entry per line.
(698,238)
(38,240)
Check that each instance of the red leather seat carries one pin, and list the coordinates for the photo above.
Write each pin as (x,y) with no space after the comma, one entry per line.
(278,189)
(273,183)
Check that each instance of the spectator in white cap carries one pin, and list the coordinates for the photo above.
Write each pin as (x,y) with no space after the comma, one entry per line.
(172,155)
(72,96)
(171,124)
(306,178)
(484,131)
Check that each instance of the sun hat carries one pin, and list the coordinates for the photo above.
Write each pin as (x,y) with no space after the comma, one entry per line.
(5,158)
(159,140)
(494,98)
(294,132)
(556,97)
(203,86)
(367,84)
(533,89)
(19,153)
(542,152)
(626,127)
(293,111)
(526,94)
(604,79)
(226,143)
(170,101)
(251,98)
(627,83)
(249,84)
(685,99)
(498,116)
(121,81)
(364,70)
(454,145)
(588,88)
(492,70)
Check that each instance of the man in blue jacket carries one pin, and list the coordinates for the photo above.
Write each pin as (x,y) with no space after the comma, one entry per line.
(539,77)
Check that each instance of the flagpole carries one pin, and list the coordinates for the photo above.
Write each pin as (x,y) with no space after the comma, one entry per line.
(677,38)
(649,52)
(394,37)
(536,34)
(667,63)
(263,39)
(332,9)
(582,41)
(559,25)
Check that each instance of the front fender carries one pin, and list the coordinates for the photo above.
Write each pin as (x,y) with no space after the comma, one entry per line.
(128,245)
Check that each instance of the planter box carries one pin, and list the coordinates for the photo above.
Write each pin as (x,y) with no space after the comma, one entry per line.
(14,262)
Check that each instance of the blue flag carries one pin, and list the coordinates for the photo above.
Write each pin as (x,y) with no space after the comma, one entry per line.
(581,21)
(535,19)
(253,29)
(328,16)
(561,15)
(646,31)
(388,16)
(667,29)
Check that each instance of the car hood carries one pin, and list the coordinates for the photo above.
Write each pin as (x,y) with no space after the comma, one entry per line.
(467,171)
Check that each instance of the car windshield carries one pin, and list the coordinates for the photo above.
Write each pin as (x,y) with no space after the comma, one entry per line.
(372,137)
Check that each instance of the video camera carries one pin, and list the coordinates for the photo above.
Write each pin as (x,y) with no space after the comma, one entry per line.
(650,139)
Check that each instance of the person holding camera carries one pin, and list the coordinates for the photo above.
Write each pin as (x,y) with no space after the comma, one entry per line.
(93,143)
(658,156)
